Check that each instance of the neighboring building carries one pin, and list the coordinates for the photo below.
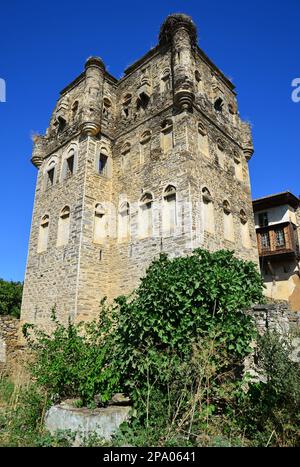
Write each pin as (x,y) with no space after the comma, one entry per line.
(277,219)
(154,162)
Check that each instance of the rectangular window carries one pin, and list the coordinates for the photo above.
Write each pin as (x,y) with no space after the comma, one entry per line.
(265,241)
(263,220)
(103,165)
(280,240)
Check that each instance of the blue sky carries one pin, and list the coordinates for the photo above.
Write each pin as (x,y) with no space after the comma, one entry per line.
(44,46)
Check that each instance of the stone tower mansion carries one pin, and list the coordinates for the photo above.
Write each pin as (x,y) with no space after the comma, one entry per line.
(156,161)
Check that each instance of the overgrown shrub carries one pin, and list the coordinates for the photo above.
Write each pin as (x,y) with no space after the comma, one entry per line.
(181,301)
(10,298)
(176,346)
(22,412)
(271,408)
(73,360)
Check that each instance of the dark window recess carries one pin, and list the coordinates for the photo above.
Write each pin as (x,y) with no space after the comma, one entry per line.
(218,105)
(75,109)
(50,180)
(61,124)
(70,165)
(280,240)
(265,240)
(142,101)
(263,220)
(266,271)
(103,164)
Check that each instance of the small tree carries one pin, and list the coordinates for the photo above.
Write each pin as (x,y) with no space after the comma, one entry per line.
(10,298)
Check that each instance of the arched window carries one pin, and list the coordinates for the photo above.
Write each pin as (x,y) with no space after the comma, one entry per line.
(103,162)
(145,146)
(69,163)
(100,228)
(124,221)
(43,234)
(143,91)
(167,135)
(126,106)
(75,107)
(165,82)
(245,235)
(221,152)
(142,103)
(203,140)
(50,174)
(238,166)
(63,231)
(218,105)
(60,124)
(145,77)
(228,222)
(146,216)
(208,211)
(125,153)
(169,214)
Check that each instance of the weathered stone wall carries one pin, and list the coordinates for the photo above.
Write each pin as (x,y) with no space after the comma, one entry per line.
(147,124)
(275,316)
(9,347)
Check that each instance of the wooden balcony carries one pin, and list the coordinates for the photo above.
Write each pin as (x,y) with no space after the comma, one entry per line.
(278,240)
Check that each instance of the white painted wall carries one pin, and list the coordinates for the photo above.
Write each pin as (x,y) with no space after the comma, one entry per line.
(278,214)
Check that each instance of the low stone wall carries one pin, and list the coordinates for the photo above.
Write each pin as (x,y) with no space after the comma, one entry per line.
(11,352)
(8,336)
(275,316)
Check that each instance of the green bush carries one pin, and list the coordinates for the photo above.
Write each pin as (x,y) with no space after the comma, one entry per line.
(181,301)
(176,345)
(10,298)
(271,408)
(180,342)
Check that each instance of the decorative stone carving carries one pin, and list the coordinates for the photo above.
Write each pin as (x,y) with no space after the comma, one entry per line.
(37,154)
(184,93)
(226,207)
